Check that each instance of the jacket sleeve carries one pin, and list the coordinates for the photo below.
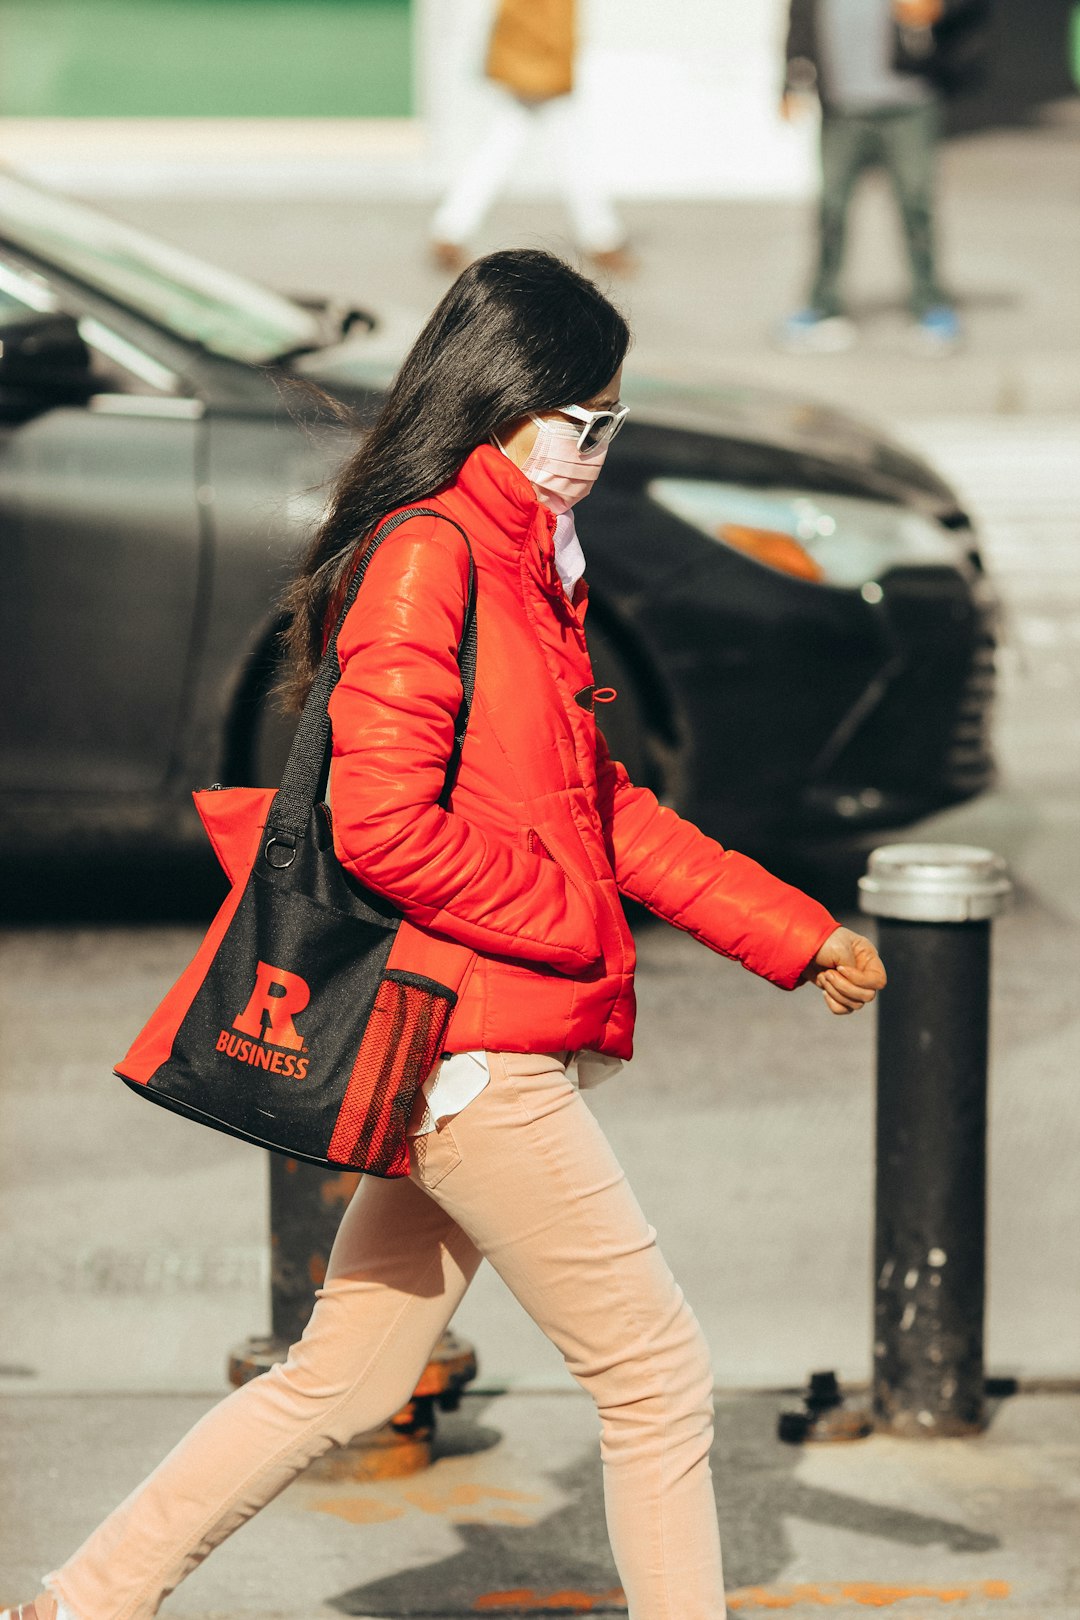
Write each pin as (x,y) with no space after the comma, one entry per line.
(392,717)
(724,899)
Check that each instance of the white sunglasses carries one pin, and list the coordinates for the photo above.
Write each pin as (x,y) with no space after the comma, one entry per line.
(600,426)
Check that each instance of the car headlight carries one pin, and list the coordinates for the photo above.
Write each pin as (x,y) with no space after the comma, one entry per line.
(844,540)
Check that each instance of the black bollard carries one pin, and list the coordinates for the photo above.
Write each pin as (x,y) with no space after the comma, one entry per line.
(933,903)
(306,1206)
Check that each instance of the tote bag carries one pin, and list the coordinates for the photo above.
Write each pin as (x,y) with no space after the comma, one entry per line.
(312,1011)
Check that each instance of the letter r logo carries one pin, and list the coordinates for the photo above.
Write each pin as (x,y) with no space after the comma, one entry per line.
(277,996)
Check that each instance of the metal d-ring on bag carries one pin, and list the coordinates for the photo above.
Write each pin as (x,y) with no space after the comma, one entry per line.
(312,1011)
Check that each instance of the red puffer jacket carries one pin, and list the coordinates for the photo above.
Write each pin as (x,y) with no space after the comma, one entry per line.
(545,828)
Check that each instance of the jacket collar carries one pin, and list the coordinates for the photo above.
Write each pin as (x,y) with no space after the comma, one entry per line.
(497,505)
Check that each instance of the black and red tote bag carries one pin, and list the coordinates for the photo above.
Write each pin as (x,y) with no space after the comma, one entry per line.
(312,1011)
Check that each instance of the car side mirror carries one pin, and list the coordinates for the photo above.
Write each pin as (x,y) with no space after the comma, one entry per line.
(43,358)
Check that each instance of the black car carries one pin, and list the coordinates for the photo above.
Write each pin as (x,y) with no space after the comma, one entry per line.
(792,609)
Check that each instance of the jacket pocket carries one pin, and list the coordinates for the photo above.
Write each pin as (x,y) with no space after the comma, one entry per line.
(578,885)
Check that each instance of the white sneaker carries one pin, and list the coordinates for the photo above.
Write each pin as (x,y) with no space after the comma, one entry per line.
(808,331)
(938,331)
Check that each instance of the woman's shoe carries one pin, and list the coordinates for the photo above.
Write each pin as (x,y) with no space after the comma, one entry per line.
(449,257)
(42,1608)
(616,261)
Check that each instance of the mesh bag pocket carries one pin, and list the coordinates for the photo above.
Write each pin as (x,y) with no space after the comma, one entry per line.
(401,1045)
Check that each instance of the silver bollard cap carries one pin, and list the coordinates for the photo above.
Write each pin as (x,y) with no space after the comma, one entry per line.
(942,883)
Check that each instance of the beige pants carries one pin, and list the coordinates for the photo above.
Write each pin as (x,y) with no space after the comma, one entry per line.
(525,1178)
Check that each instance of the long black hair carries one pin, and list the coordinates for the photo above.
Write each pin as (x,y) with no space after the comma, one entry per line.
(518,331)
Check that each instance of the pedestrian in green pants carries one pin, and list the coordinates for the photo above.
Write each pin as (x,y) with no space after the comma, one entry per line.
(902,141)
(877,67)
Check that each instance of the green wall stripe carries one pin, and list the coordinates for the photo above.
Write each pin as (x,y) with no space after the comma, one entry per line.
(205,58)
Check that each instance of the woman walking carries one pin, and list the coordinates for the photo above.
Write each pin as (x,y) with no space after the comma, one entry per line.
(499,420)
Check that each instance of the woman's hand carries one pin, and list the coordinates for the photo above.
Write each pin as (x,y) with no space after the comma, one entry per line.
(917,13)
(847,970)
(795,105)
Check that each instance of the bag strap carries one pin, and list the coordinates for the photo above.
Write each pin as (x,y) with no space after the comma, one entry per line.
(309,757)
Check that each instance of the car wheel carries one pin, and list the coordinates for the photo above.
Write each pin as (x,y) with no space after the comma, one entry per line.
(272,733)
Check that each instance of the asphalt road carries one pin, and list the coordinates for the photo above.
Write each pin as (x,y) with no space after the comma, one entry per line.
(745,1122)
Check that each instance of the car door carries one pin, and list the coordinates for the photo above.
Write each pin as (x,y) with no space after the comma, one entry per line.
(102,562)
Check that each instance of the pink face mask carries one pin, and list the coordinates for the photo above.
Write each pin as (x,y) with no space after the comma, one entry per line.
(560,473)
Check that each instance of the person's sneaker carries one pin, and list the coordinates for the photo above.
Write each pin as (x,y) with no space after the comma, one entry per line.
(809,331)
(938,330)
(616,261)
(451,258)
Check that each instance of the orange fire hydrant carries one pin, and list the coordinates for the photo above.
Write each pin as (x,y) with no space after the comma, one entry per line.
(306,1204)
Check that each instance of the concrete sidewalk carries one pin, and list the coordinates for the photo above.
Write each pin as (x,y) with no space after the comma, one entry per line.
(509,1519)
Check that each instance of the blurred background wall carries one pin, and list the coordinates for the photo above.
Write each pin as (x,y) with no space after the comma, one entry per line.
(686,109)
(381,95)
(207,58)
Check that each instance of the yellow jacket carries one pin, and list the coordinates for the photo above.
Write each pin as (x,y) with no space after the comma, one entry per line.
(532,48)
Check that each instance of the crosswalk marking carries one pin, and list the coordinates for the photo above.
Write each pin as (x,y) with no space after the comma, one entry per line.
(1019,476)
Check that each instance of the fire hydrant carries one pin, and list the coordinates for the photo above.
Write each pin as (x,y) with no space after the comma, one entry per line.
(306,1205)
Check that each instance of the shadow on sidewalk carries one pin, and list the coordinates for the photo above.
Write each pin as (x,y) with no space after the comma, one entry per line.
(563,1563)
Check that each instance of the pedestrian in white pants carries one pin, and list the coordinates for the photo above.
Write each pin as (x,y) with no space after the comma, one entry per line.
(596,226)
(530,64)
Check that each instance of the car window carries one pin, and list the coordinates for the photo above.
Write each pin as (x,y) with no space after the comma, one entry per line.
(10,308)
(197,302)
(121,367)
(116,365)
